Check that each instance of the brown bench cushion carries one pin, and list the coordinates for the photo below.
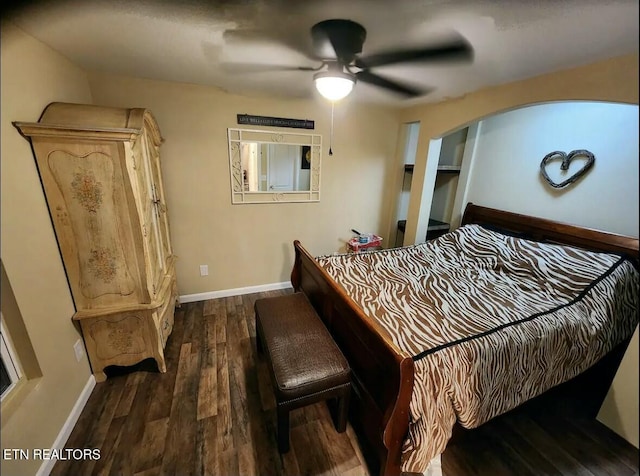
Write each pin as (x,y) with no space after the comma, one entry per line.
(303,355)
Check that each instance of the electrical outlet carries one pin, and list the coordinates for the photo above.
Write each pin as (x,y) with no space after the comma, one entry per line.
(204,270)
(79,350)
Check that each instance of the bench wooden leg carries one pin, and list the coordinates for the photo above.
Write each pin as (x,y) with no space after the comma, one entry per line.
(259,345)
(342,413)
(283,428)
(339,410)
(258,338)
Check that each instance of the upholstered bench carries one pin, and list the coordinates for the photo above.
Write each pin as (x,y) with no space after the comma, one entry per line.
(305,362)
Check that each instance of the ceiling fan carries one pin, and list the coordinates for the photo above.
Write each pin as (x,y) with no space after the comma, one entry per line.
(337,44)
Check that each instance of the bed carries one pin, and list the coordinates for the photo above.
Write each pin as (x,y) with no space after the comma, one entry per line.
(458,330)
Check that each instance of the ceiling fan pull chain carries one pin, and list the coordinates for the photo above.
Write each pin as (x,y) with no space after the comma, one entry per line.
(331,133)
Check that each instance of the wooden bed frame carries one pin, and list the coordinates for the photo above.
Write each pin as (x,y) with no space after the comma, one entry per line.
(382,374)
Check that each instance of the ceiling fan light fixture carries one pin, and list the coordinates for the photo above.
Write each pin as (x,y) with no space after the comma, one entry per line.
(334,85)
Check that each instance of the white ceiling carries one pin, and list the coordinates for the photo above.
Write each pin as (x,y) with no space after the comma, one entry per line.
(195,41)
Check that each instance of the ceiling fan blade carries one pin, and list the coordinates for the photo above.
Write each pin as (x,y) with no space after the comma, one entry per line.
(457,50)
(402,89)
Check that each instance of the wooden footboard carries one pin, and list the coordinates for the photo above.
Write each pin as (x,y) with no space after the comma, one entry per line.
(382,375)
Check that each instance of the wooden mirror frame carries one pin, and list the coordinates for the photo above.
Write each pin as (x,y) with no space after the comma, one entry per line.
(241,196)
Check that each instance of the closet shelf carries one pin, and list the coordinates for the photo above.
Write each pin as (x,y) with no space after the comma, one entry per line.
(434,225)
(449,169)
(446,169)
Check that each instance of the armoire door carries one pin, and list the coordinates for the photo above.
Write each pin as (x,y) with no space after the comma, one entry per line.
(150,221)
(159,198)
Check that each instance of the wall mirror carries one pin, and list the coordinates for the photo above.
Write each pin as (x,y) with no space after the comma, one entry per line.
(268,166)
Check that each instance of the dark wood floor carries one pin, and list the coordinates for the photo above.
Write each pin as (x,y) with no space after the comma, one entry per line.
(213,413)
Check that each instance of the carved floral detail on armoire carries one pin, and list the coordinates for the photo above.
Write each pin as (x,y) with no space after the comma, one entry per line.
(101,175)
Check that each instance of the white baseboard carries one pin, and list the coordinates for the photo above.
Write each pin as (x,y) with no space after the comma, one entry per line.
(67,428)
(234,292)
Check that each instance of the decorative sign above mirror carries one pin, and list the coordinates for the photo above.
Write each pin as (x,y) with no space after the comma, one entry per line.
(270,166)
(269,121)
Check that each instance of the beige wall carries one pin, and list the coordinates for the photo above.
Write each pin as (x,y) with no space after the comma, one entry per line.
(249,245)
(32,76)
(615,80)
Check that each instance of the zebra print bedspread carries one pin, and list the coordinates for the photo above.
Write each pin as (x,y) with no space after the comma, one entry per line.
(490,320)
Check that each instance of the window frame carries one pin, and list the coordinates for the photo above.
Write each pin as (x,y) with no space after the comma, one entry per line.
(9,359)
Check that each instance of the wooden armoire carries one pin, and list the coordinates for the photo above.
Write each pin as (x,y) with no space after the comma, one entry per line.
(100,171)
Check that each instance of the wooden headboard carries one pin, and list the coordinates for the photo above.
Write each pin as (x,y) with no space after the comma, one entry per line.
(540,229)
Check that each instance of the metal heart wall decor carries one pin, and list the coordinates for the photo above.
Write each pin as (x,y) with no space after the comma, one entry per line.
(564,165)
